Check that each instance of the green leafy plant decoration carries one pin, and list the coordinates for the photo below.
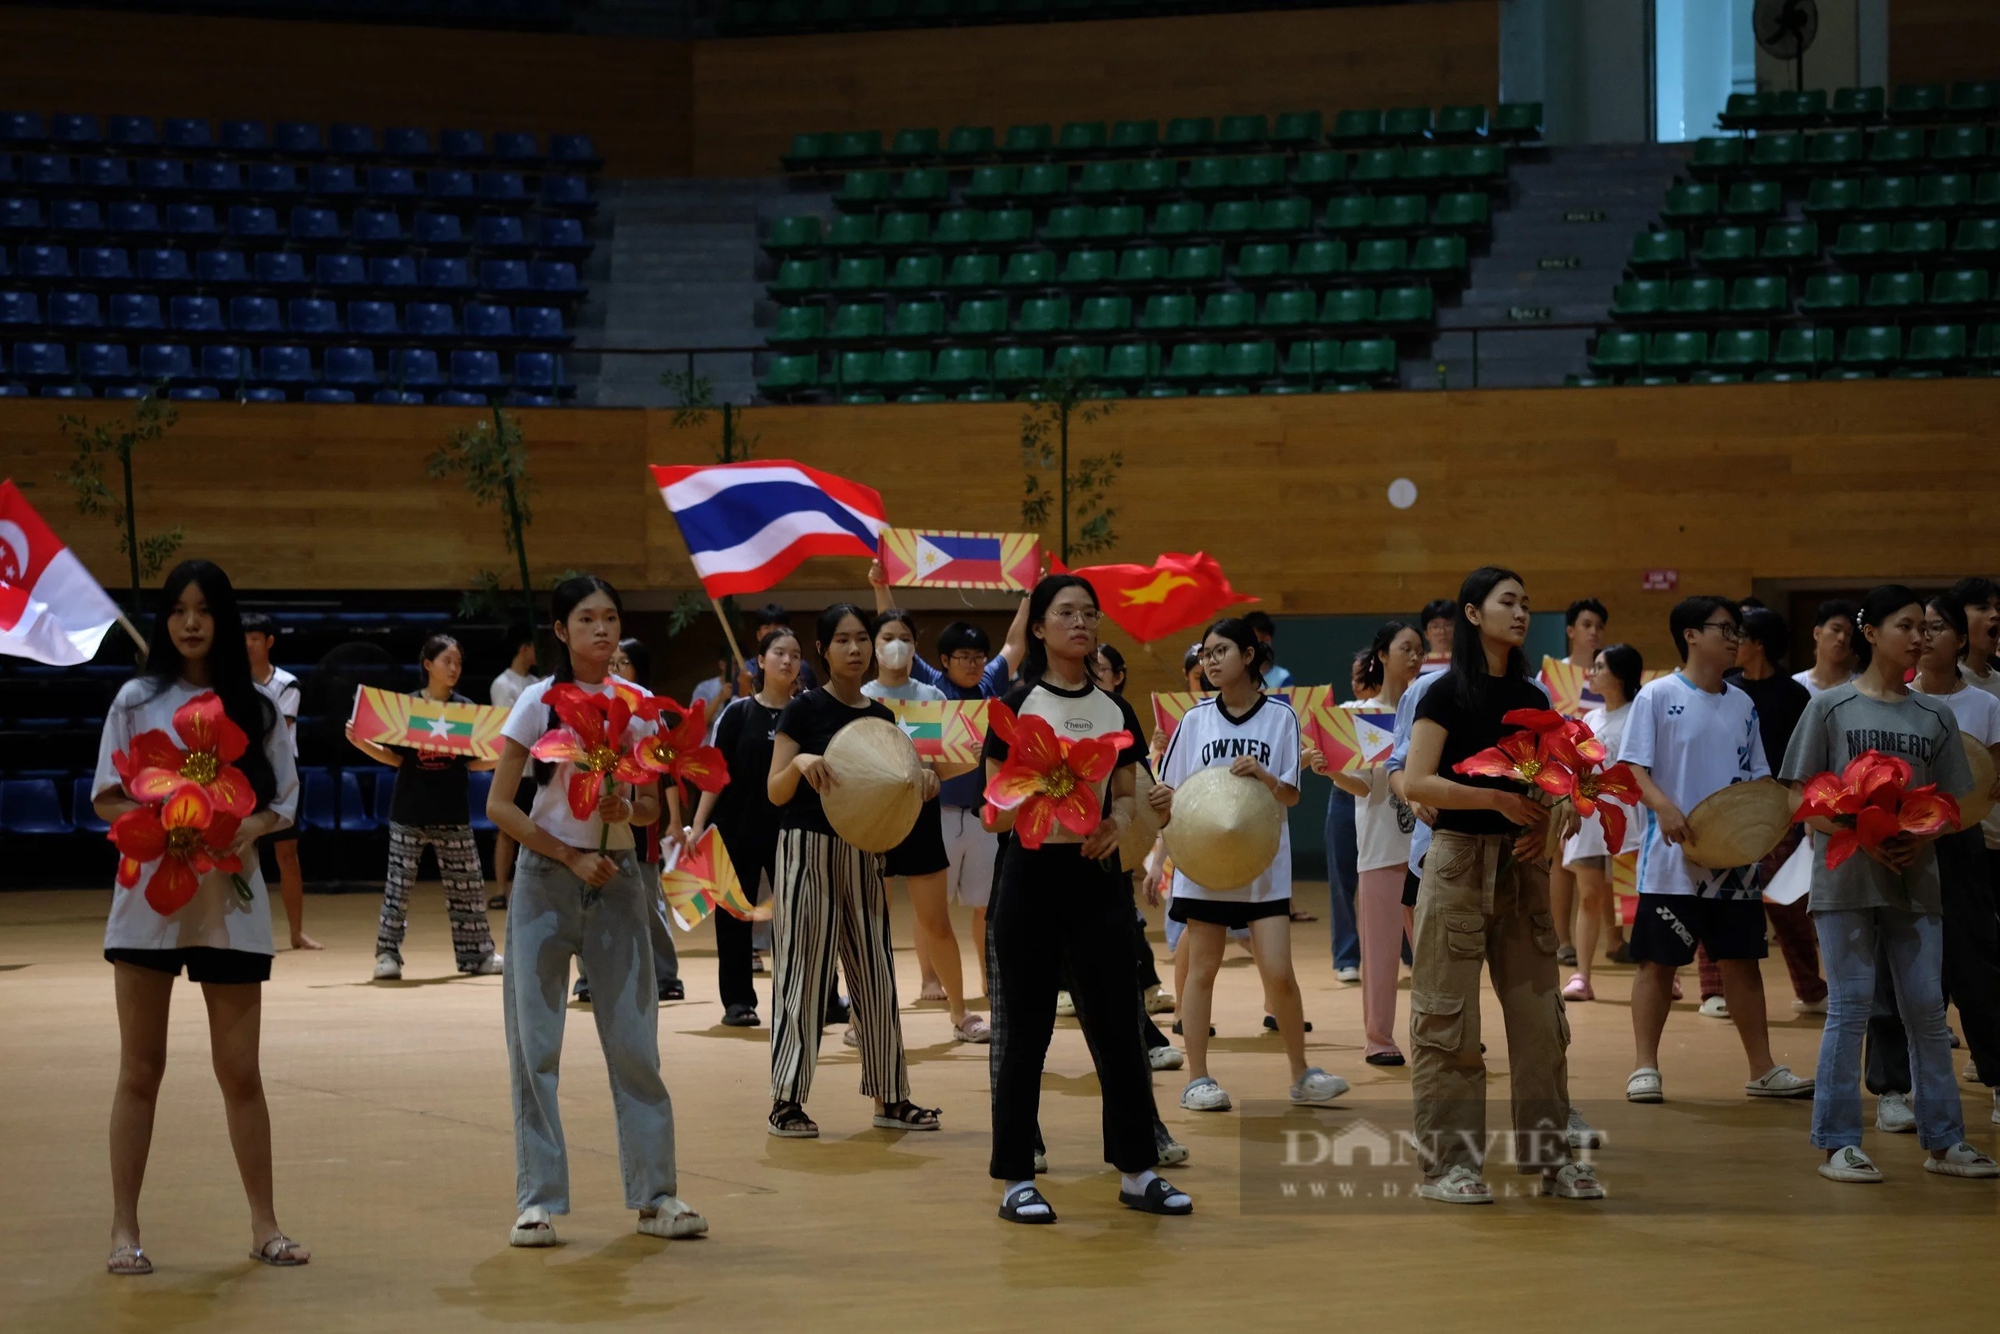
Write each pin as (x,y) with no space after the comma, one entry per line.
(115,441)
(1075,495)
(492,457)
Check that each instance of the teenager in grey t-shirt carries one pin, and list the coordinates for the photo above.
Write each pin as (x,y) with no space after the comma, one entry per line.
(1840,724)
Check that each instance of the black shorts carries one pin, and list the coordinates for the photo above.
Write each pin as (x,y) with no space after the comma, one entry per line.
(1667,927)
(289,834)
(1226,912)
(203,963)
(922,853)
(1411,883)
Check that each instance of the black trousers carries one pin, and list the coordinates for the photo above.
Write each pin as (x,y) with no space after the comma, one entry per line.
(1967,872)
(1059,917)
(732,934)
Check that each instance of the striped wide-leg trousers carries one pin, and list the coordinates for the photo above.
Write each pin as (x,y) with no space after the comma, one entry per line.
(830,896)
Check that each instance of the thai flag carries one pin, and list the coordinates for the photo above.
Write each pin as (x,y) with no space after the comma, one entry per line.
(748,525)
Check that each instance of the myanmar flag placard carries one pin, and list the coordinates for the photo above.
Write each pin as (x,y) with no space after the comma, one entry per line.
(949,730)
(698,882)
(390,718)
(936,558)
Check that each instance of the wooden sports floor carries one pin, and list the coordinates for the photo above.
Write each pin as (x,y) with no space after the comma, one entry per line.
(394,1156)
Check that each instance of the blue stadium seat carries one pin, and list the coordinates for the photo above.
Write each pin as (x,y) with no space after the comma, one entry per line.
(316,806)
(83,815)
(566,192)
(406,141)
(20,310)
(160,175)
(47,170)
(225,363)
(254,223)
(66,391)
(350,140)
(221,267)
(263,394)
(74,130)
(286,268)
(297,138)
(518,399)
(164,265)
(103,361)
(573,148)
(446,274)
(30,807)
(134,218)
(20,214)
(191,220)
(516,148)
(487,322)
(74,310)
(22,127)
(478,786)
(11,390)
(541,324)
(354,816)
(316,224)
(476,368)
(432,230)
(392,183)
(42,261)
(244,136)
(138,311)
(166,361)
(538,371)
(502,187)
(279,179)
(216,178)
(314,317)
(186,132)
(503,275)
(373,319)
(333,180)
(461,145)
(127,391)
(40,360)
(394,271)
(385,797)
(430,319)
(448,184)
(327,394)
(398,398)
(134,132)
(340,271)
(450,398)
(101,263)
(76,215)
(205,393)
(377,226)
(104,173)
(350,366)
(415,367)
(285,364)
(502,231)
(553,275)
(255,315)
(562,235)
(197,314)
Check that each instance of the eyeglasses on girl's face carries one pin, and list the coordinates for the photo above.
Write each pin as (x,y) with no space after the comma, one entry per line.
(1079,616)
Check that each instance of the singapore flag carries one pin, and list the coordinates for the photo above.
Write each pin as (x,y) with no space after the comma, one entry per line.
(51,610)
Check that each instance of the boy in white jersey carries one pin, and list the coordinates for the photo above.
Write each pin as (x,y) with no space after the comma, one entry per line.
(260,633)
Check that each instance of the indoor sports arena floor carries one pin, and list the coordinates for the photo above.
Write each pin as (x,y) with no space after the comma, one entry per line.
(394,1152)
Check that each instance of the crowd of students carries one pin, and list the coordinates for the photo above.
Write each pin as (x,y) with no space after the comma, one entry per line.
(1453,868)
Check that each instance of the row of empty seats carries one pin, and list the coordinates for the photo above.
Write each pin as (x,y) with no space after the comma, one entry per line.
(225,368)
(1971,99)
(140,312)
(45,265)
(166,180)
(306,225)
(191,135)
(1794,352)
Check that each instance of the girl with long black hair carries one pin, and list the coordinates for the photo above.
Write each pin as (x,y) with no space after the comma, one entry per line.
(1069,902)
(1485,898)
(571,900)
(196,650)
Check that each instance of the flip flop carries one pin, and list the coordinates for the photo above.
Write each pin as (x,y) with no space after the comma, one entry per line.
(1026,1197)
(127,1262)
(278,1253)
(1153,1200)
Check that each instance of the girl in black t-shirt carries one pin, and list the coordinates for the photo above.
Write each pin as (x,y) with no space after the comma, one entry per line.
(830,893)
(1485,898)
(430,809)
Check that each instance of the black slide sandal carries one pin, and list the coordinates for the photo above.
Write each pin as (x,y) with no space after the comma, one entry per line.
(1154,1201)
(1023,1198)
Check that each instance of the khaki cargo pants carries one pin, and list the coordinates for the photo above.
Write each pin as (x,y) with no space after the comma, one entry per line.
(1479,905)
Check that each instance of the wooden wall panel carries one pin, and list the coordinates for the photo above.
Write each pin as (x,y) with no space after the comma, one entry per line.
(632,96)
(1937,41)
(752,95)
(1848,483)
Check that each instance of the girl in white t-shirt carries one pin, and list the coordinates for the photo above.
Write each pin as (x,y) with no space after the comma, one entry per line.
(197,696)
(1616,674)
(1257,736)
(1383,824)
(571,899)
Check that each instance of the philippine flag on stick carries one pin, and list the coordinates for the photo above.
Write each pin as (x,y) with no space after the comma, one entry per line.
(51,610)
(748,525)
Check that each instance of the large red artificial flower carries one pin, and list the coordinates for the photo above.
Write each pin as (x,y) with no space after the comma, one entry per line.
(188,835)
(154,768)
(1534,758)
(1050,780)
(677,753)
(1870,804)
(593,728)
(1599,792)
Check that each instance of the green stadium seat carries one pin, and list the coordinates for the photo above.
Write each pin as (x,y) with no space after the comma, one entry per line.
(1260,261)
(973,270)
(1029,268)
(858,273)
(863,189)
(1807,107)
(1147,176)
(1782,377)
(1961,287)
(1028,140)
(1376,166)
(1460,122)
(903,231)
(1040,181)
(1677,350)
(808,151)
(1986,348)
(1319,259)
(969,141)
(1348,305)
(1196,264)
(1803,349)
(1018,365)
(1589,382)
(1411,124)
(856,370)
(1382,255)
(1007,226)
(1658,249)
(1426,164)
(849,145)
(1179,218)
(1936,345)
(1439,255)
(1860,240)
(1207,176)
(980,317)
(905,368)
(1872,345)
(1715,377)
(1121,222)
(959,366)
(1858,106)
(1888,194)
(1690,200)
(1254,359)
(788,374)
(1083,268)
(1189,132)
(1164,391)
(1367,359)
(1083,360)
(1518,120)
(1166,312)
(1462,210)
(1286,308)
(1742,350)
(1099,180)
(1944,191)
(1405,305)
(1833,149)
(1759,295)
(918,319)
(922,396)
(1398,213)
(1293,128)
(1233,217)
(1618,350)
(1695,296)
(1476,162)
(1986,194)
(1082,136)
(1791,243)
(1831,293)
(1743,111)
(851,231)
(799,324)
(1241,131)
(1639,298)
(983,396)
(1348,213)
(1895,291)
(1283,216)
(1311,359)
(857,320)
(1066,224)
(1778,151)
(1755,199)
(1977,236)
(1828,196)
(799,278)
(1259,173)
(957,228)
(794,233)
(1918,238)
(1723,246)
(1896,146)
(1143,264)
(1135,136)
(1717,155)
(1959,143)
(910,145)
(1228,310)
(1319,170)
(1104,314)
(1356,126)
(1131,363)
(1193,361)
(1976,99)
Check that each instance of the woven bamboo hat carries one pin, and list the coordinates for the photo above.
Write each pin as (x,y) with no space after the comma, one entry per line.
(1225,830)
(1738,825)
(1975,803)
(1137,843)
(874,806)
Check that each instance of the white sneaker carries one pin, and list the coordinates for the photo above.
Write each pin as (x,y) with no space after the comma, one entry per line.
(1065,1005)
(1893,1114)
(490,966)
(1808,1007)
(1962,1160)
(1779,1082)
(1715,1007)
(1204,1095)
(1347,974)
(387,969)
(1166,1058)
(1159,1002)
(1459,1185)
(1581,1134)
(1850,1164)
(1316,1085)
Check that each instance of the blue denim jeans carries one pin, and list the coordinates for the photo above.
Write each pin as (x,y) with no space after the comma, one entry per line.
(1913,945)
(1343,854)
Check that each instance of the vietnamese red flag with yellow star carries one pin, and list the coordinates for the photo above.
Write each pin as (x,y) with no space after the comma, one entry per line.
(1175,592)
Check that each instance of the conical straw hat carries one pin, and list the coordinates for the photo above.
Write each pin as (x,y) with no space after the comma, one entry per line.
(875,804)
(1978,800)
(1137,843)
(1225,829)
(1738,825)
